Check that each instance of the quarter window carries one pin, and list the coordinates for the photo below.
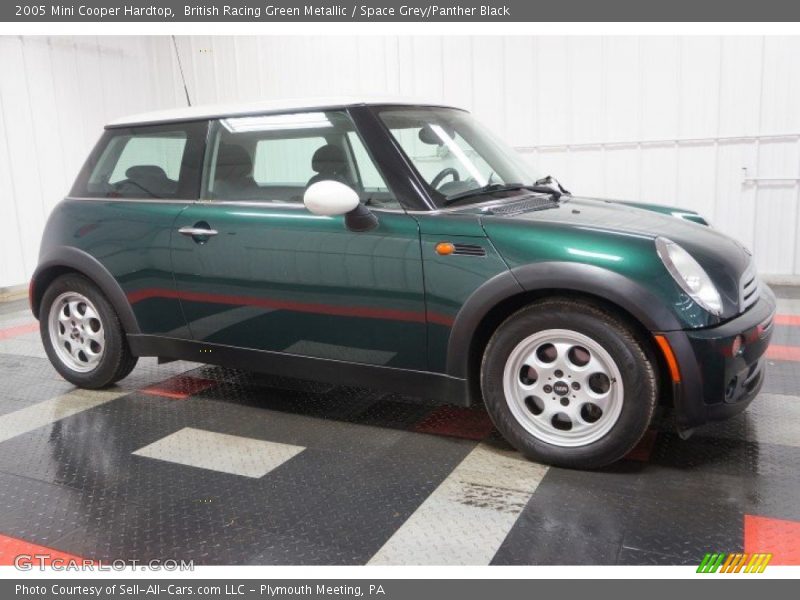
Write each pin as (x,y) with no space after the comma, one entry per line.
(163,151)
(158,162)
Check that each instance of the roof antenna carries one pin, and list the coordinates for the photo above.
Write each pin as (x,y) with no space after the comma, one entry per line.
(180,67)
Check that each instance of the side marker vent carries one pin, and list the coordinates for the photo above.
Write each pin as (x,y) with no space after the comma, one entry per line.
(448,248)
(469,250)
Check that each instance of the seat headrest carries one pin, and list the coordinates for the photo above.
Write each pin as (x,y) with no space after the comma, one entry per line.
(234,157)
(145,172)
(329,158)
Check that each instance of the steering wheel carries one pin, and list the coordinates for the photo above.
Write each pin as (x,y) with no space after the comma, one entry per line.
(436,182)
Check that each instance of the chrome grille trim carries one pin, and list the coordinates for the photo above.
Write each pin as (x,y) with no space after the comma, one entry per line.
(749,288)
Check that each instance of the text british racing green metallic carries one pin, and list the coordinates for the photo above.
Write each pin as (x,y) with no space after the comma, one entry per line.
(423,287)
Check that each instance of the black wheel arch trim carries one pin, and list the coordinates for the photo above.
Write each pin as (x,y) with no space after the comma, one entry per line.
(617,289)
(67,257)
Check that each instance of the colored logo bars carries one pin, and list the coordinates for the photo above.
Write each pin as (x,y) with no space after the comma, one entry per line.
(734,562)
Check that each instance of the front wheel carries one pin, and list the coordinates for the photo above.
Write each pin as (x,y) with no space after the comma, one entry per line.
(82,335)
(569,384)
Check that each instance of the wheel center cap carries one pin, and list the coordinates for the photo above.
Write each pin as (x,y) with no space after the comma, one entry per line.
(561,388)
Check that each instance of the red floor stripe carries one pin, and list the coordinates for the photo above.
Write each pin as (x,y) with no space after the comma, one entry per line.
(455,421)
(783,352)
(779,537)
(179,387)
(644,448)
(787,320)
(11,332)
(11,547)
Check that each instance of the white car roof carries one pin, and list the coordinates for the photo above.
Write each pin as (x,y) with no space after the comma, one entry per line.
(191,113)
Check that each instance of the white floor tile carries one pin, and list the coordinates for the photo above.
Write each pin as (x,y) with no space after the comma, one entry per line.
(220,452)
(465,520)
(43,413)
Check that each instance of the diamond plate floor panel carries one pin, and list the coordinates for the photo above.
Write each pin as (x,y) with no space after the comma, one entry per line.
(466,518)
(381,477)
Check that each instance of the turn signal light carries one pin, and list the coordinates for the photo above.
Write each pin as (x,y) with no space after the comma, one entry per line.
(445,248)
(669,356)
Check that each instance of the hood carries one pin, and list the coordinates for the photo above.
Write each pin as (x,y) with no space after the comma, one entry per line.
(594,222)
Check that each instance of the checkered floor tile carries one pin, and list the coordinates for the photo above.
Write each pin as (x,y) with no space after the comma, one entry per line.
(226,467)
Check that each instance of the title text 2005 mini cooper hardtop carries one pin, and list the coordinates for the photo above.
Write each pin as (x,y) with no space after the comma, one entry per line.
(398,246)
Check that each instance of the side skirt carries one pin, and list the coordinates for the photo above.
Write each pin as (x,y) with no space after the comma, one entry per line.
(437,388)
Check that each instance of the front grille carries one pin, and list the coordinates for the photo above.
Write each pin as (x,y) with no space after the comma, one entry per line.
(749,288)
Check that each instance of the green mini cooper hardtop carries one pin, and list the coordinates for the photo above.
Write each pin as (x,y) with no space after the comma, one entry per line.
(399,246)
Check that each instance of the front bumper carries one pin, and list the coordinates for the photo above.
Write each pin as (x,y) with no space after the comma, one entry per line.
(715,384)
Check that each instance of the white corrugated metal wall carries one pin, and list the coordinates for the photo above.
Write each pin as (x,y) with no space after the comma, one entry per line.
(55,96)
(708,123)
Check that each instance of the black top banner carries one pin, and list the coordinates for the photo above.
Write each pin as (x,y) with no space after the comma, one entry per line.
(399,11)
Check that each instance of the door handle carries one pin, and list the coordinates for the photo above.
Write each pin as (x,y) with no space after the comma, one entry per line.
(197,231)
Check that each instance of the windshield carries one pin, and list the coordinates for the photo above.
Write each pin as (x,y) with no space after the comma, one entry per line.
(457,157)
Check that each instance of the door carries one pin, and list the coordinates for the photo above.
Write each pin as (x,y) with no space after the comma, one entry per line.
(255,269)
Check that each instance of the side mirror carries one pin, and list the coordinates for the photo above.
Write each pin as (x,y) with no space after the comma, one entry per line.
(332,198)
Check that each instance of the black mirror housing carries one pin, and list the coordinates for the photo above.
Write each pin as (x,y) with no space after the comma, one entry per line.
(360,218)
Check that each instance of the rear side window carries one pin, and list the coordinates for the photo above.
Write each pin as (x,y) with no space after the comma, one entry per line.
(155,162)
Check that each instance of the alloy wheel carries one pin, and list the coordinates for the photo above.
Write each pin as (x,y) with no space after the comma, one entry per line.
(563,387)
(76,332)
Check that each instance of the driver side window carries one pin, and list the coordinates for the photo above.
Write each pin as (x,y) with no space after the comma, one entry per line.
(276,157)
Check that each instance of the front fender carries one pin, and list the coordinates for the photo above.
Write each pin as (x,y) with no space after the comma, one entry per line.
(672,211)
(58,259)
(592,280)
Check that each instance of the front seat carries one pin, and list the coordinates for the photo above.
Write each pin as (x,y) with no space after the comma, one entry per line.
(233,178)
(330,163)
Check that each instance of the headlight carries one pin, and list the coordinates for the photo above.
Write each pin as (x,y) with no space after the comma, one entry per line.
(689,275)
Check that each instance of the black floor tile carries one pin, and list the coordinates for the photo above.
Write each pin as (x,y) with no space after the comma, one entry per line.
(782,377)
(43,513)
(556,545)
(631,556)
(77,486)
(703,455)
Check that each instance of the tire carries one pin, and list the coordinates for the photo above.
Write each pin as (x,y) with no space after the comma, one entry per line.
(585,389)
(82,334)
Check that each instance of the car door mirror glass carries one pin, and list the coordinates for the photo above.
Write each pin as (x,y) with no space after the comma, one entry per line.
(330,198)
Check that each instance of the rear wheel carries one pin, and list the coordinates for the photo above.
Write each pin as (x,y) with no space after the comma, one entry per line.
(82,334)
(569,384)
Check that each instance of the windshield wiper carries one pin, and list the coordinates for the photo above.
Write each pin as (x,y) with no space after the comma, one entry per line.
(486,189)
